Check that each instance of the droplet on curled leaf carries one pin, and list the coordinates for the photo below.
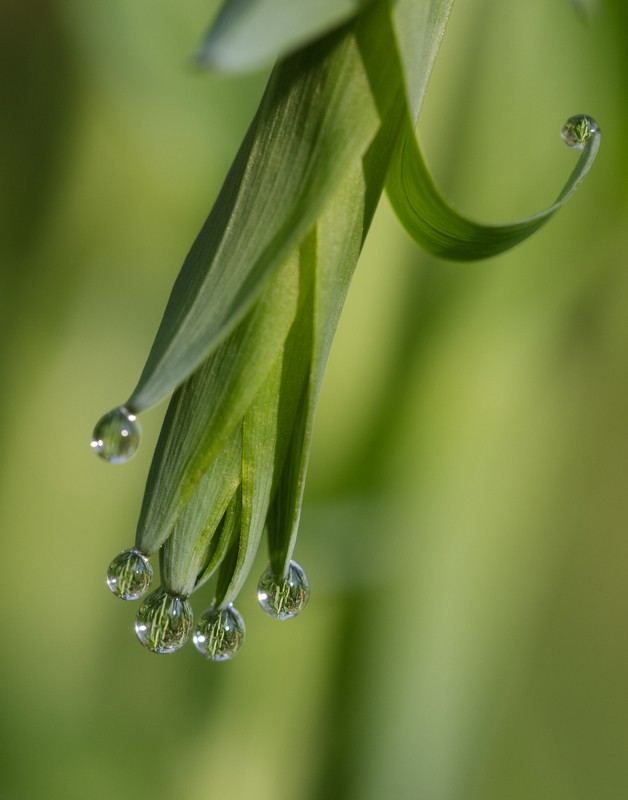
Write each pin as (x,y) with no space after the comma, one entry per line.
(578,130)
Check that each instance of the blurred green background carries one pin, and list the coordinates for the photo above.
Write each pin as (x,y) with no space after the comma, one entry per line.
(464,525)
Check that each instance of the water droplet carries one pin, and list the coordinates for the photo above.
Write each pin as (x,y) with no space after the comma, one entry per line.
(164,622)
(129,575)
(116,436)
(578,130)
(219,633)
(285,597)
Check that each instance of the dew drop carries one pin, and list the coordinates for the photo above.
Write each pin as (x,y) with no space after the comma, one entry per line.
(164,622)
(578,130)
(129,575)
(285,597)
(116,436)
(219,633)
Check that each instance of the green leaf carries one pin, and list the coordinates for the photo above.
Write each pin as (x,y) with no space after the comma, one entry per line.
(202,532)
(224,545)
(199,541)
(435,225)
(418,31)
(334,252)
(196,473)
(236,491)
(317,116)
(253,313)
(259,436)
(205,411)
(338,238)
(292,448)
(250,33)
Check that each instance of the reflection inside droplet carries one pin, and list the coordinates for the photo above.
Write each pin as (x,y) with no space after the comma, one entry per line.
(129,575)
(577,131)
(116,436)
(219,633)
(284,597)
(164,622)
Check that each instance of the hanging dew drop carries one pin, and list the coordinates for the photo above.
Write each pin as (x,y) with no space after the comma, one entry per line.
(164,622)
(129,575)
(116,436)
(284,597)
(578,130)
(219,633)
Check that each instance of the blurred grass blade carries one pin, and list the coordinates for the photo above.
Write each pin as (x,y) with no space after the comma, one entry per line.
(436,226)
(585,8)
(251,33)
(210,405)
(317,116)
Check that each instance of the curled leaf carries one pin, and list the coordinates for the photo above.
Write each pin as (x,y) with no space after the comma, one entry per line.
(436,225)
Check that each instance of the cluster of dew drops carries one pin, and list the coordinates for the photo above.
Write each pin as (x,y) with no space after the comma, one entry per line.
(165,621)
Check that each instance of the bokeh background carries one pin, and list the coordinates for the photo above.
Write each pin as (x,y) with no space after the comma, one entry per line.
(464,527)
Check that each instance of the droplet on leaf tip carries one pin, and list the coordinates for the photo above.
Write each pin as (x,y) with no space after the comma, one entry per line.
(219,633)
(116,436)
(577,131)
(286,596)
(129,575)
(164,622)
